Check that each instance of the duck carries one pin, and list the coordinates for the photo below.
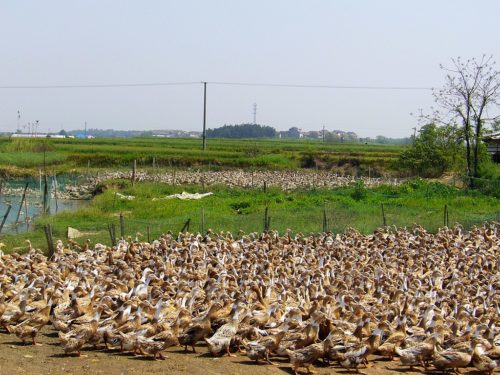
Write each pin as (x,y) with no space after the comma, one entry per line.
(158,343)
(127,342)
(303,337)
(451,359)
(30,327)
(306,356)
(13,314)
(221,340)
(198,330)
(373,342)
(24,332)
(76,338)
(481,361)
(420,354)
(395,339)
(261,348)
(352,358)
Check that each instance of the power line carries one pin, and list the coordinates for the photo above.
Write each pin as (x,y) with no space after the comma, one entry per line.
(321,86)
(159,84)
(103,85)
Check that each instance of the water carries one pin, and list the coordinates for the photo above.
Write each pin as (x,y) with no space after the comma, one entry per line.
(33,208)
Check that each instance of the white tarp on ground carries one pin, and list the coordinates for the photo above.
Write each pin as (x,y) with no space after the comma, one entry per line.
(125,197)
(186,196)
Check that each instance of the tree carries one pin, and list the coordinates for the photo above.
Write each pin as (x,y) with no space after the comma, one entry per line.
(436,149)
(242,131)
(470,92)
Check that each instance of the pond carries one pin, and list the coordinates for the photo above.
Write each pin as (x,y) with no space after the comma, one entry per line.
(21,219)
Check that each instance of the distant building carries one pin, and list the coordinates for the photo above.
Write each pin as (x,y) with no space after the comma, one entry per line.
(84,136)
(493,144)
(29,135)
(56,136)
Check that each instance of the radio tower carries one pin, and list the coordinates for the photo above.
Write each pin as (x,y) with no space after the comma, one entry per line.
(255,113)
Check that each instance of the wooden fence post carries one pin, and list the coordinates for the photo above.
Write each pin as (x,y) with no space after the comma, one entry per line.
(325,222)
(202,220)
(383,215)
(266,218)
(186,226)
(50,242)
(122,226)
(112,233)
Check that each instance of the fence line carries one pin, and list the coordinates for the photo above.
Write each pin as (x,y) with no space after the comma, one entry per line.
(282,220)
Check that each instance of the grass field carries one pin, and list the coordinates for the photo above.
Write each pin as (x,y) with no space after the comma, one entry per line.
(232,210)
(26,156)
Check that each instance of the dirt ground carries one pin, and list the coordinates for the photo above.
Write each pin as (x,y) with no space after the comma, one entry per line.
(16,358)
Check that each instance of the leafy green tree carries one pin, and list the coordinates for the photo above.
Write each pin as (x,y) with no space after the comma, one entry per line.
(436,149)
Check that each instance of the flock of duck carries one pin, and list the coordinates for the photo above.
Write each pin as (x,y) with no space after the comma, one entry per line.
(324,299)
(285,179)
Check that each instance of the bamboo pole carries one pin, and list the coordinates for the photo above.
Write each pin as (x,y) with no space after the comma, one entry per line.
(55,192)
(9,206)
(22,201)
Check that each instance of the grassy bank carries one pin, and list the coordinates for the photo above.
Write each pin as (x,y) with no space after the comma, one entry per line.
(26,156)
(243,209)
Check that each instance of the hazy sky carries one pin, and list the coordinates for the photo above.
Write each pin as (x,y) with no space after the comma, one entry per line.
(315,42)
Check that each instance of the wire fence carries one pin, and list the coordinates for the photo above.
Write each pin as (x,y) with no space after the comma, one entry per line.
(333,218)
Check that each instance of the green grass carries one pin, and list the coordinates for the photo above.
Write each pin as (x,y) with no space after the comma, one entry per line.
(25,156)
(243,209)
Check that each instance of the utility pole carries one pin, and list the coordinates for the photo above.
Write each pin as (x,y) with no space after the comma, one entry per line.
(85,133)
(255,113)
(414,134)
(204,116)
(18,121)
(323,133)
